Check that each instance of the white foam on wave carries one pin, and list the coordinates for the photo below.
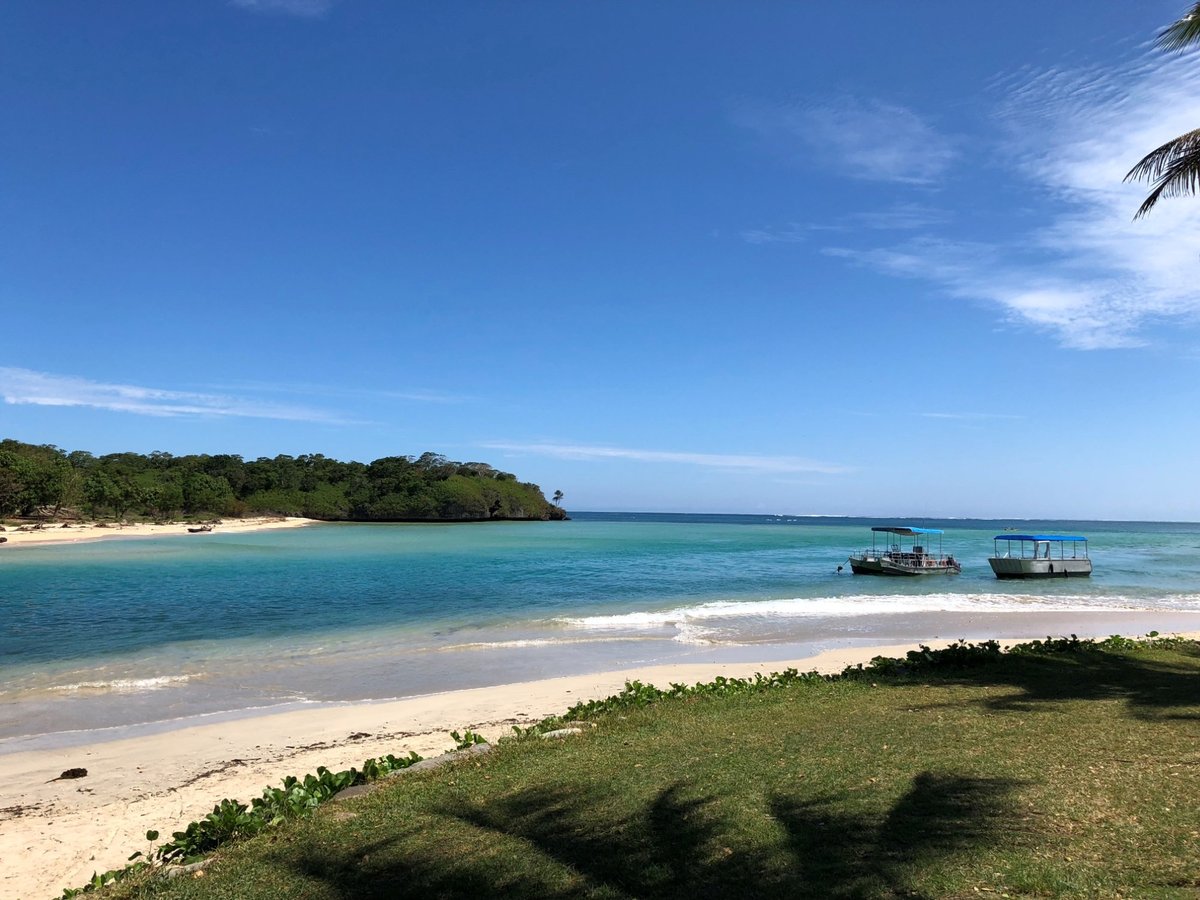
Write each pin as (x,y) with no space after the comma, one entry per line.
(689,633)
(533,642)
(124,685)
(685,634)
(868,605)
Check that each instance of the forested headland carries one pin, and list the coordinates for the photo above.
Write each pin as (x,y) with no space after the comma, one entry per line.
(43,480)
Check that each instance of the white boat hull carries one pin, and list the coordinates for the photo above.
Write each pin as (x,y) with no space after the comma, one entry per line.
(1016,567)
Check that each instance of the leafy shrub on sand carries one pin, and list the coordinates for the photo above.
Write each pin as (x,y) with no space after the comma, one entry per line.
(467,739)
(228,821)
(100,879)
(231,820)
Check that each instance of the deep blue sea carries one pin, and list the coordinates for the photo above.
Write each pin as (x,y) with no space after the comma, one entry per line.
(98,638)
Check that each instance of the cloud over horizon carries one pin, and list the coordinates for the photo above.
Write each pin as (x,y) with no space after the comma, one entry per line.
(745,462)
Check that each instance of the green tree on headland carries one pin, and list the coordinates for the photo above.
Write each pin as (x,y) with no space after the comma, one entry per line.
(1173,168)
(33,478)
(46,481)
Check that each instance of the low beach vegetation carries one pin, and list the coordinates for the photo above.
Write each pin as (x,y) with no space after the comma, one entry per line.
(46,482)
(231,821)
(1057,768)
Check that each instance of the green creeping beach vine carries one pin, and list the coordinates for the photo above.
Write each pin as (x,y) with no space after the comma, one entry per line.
(467,740)
(961,654)
(231,820)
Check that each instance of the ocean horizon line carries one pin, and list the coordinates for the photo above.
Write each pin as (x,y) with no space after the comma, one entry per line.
(846,517)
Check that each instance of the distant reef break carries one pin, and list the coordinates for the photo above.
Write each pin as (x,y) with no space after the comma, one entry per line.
(43,480)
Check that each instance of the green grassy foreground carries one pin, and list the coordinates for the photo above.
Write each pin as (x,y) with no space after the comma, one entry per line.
(1067,771)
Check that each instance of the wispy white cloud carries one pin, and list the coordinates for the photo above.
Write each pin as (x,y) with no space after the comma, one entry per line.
(789,234)
(307,9)
(24,386)
(745,462)
(1089,274)
(414,394)
(419,395)
(968,417)
(867,139)
(899,217)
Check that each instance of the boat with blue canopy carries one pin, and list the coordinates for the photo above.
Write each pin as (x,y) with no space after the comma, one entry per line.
(1040,556)
(902,555)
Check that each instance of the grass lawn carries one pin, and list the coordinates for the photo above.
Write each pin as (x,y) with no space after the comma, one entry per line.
(1062,774)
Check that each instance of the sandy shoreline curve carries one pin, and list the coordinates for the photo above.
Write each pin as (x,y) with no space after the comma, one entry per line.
(58,533)
(55,834)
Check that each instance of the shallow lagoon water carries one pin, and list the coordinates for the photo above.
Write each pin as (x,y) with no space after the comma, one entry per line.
(113,634)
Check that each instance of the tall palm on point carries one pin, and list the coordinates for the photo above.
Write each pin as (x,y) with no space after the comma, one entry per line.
(1174,168)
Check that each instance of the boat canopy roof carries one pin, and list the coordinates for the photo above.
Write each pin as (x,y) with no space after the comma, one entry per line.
(905,530)
(1039,537)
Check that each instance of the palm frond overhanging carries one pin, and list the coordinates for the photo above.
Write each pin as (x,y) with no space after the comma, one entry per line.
(1174,169)
(1181,34)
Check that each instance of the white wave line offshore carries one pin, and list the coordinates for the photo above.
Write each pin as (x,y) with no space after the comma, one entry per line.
(521,643)
(868,605)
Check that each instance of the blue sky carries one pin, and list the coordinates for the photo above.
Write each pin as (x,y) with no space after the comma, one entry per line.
(870,259)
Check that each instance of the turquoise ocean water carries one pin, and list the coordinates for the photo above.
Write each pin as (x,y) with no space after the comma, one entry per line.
(106,638)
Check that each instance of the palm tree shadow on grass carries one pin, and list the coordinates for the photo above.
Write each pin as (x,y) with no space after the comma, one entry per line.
(562,842)
(1152,689)
(939,817)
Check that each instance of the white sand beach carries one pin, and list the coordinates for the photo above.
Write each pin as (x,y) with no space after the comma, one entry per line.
(56,833)
(60,533)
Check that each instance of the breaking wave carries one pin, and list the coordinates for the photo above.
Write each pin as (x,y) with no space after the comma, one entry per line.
(123,685)
(520,643)
(882,605)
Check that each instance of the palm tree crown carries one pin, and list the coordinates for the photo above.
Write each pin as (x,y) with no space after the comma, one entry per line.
(1174,168)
